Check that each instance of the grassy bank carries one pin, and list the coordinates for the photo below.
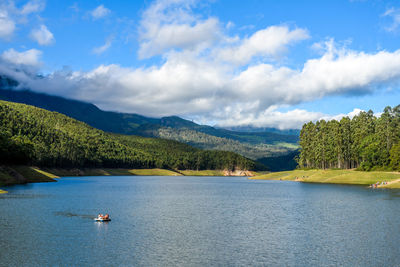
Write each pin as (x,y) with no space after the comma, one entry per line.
(202,173)
(336,177)
(10,175)
(110,172)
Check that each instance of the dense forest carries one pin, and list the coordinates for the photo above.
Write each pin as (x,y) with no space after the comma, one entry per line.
(281,163)
(30,135)
(366,142)
(253,145)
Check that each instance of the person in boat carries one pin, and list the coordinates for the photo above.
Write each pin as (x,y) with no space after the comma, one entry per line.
(100,216)
(106,217)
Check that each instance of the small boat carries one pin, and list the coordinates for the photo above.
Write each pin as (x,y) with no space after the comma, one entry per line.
(102,219)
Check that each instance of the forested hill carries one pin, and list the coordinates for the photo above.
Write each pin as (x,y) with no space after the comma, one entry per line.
(366,142)
(253,145)
(30,135)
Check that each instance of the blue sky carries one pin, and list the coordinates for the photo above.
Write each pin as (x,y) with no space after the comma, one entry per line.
(261,63)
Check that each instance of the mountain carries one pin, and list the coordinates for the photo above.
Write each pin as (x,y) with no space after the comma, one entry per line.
(254,129)
(254,145)
(31,135)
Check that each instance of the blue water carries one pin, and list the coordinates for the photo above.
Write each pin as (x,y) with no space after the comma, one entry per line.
(198,221)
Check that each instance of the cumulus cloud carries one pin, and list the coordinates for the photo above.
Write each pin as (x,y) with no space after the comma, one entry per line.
(170,24)
(188,86)
(336,72)
(7,25)
(270,42)
(176,85)
(394,13)
(42,35)
(26,58)
(100,12)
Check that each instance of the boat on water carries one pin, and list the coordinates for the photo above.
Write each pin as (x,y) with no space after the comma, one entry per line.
(103,218)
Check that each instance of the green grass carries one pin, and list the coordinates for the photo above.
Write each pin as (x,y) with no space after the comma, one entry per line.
(153,172)
(395,184)
(335,177)
(202,173)
(112,172)
(77,172)
(10,175)
(47,174)
(33,174)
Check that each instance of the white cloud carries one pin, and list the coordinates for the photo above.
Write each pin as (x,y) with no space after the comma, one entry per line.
(101,49)
(272,117)
(7,25)
(32,7)
(269,42)
(394,13)
(42,35)
(100,12)
(336,72)
(10,15)
(181,36)
(188,86)
(170,24)
(338,117)
(27,58)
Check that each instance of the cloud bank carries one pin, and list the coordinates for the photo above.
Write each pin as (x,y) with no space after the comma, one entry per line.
(210,75)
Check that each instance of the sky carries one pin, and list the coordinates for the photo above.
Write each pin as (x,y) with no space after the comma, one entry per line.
(260,63)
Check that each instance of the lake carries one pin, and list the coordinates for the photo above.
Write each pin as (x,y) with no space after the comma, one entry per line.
(198,221)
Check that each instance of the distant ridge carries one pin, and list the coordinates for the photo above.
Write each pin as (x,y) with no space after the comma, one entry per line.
(254,129)
(38,137)
(254,145)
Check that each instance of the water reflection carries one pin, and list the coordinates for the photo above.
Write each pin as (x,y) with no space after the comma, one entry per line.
(159,221)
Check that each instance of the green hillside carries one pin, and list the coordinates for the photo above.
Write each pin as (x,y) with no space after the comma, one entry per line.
(30,135)
(254,145)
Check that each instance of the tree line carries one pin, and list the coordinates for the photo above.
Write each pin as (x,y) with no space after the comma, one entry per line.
(366,142)
(34,136)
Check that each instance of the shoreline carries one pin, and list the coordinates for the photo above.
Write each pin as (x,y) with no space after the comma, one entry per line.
(344,177)
(21,174)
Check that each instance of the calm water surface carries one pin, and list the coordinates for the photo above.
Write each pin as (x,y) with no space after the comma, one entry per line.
(198,221)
